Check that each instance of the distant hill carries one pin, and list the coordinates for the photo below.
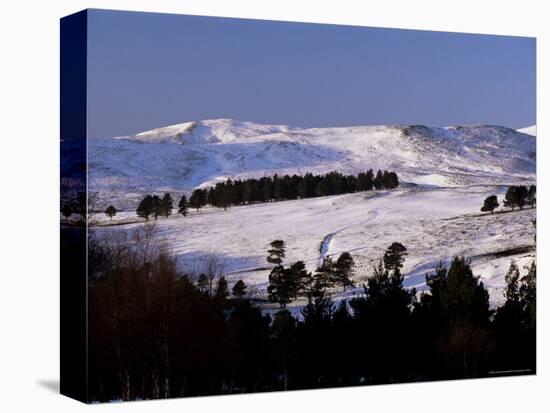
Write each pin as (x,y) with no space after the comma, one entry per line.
(188,155)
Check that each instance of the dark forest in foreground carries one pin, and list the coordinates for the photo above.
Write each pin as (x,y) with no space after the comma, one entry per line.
(154,333)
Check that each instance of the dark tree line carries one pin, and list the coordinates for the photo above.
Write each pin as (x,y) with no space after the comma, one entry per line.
(267,189)
(155,206)
(282,188)
(515,197)
(156,333)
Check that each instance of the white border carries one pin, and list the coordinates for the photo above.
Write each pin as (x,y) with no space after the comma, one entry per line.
(29,159)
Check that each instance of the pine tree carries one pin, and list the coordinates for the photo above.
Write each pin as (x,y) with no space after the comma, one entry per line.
(279,289)
(297,277)
(276,253)
(146,207)
(394,257)
(320,306)
(325,275)
(512,283)
(183,206)
(343,269)
(392,181)
(167,204)
(157,206)
(239,289)
(516,196)
(110,211)
(532,196)
(490,204)
(522,193)
(196,199)
(369,180)
(378,181)
(222,291)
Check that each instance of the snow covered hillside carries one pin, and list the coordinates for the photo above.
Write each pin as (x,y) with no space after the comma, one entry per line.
(454,169)
(530,130)
(185,156)
(433,223)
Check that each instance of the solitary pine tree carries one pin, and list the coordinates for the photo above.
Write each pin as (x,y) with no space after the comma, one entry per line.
(276,253)
(110,211)
(167,204)
(394,257)
(490,204)
(183,206)
(239,289)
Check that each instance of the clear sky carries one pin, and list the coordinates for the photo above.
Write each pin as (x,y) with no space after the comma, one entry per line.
(150,70)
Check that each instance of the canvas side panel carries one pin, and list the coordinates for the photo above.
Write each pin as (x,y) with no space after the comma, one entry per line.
(73,369)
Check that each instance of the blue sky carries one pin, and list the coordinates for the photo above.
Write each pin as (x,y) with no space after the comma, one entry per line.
(150,70)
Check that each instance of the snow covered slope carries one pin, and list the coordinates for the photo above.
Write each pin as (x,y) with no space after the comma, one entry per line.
(433,223)
(530,130)
(185,156)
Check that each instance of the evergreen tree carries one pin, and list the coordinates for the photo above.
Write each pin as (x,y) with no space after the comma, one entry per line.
(280,288)
(110,211)
(146,207)
(298,278)
(394,257)
(239,289)
(325,275)
(392,180)
(276,253)
(532,196)
(167,204)
(516,196)
(490,204)
(211,197)
(528,296)
(196,199)
(513,325)
(343,269)
(320,306)
(222,291)
(283,331)
(378,181)
(183,206)
(512,283)
(369,180)
(157,206)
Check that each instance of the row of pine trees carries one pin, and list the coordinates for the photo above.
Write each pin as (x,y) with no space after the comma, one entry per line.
(157,333)
(515,197)
(267,189)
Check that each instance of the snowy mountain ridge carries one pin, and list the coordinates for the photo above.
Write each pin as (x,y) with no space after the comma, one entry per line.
(188,155)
